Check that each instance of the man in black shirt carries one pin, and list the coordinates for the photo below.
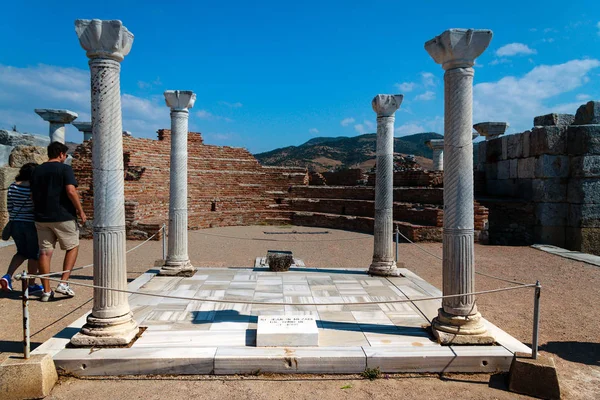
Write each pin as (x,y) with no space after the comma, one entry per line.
(56,206)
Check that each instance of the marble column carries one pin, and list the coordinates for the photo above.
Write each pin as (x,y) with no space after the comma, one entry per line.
(85,128)
(437,145)
(383,264)
(458,321)
(491,130)
(178,261)
(57,119)
(111,321)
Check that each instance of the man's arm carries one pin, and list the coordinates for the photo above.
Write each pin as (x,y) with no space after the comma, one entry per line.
(74,197)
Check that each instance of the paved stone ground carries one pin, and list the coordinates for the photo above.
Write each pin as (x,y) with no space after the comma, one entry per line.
(569,324)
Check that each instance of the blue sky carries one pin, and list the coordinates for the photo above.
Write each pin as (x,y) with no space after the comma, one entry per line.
(269,74)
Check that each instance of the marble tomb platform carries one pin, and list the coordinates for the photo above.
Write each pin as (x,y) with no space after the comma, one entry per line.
(201,337)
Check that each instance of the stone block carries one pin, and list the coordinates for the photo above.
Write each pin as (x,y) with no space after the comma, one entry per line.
(584,215)
(583,140)
(554,119)
(588,114)
(3,200)
(482,155)
(504,140)
(549,190)
(279,260)
(22,155)
(548,166)
(537,378)
(504,169)
(585,167)
(524,188)
(512,168)
(526,143)
(3,218)
(33,378)
(551,214)
(584,191)
(285,331)
(494,150)
(554,235)
(502,187)
(514,146)
(491,170)
(547,140)
(586,240)
(7,176)
(526,167)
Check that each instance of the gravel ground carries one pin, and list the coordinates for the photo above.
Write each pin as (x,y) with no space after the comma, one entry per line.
(569,317)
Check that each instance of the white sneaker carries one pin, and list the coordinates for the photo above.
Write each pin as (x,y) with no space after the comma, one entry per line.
(64,288)
(47,296)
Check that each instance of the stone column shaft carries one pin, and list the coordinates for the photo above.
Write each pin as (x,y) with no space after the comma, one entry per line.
(178,262)
(437,145)
(383,252)
(111,321)
(57,120)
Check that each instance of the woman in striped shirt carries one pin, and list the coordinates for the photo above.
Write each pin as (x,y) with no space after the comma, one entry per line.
(23,232)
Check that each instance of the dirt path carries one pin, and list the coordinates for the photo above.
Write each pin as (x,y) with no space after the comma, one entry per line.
(569,319)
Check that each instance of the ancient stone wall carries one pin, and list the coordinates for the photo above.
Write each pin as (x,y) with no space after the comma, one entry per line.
(543,185)
(226,185)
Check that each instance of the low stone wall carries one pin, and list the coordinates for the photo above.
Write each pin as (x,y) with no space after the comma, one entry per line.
(414,178)
(346,177)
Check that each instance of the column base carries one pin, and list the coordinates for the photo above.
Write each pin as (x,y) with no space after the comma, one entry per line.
(460,329)
(384,268)
(118,331)
(177,268)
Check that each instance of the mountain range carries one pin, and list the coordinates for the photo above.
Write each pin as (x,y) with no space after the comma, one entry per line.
(326,153)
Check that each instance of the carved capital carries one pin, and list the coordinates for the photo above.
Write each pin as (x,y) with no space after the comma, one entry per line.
(179,100)
(57,116)
(435,144)
(104,39)
(385,105)
(491,130)
(83,126)
(458,48)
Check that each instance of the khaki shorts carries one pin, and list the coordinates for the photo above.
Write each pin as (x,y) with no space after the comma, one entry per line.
(66,232)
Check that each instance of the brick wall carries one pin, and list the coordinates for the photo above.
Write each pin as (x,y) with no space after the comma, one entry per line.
(226,185)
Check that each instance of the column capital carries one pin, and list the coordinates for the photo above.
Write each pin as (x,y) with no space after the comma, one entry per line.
(458,48)
(180,100)
(82,126)
(385,105)
(104,39)
(435,144)
(56,116)
(491,130)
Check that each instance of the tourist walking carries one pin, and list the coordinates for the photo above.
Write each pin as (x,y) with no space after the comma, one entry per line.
(22,229)
(56,207)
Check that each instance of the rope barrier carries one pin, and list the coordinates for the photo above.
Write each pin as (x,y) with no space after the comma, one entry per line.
(293,241)
(476,272)
(166,296)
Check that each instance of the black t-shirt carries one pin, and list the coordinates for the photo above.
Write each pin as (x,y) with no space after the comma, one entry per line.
(49,192)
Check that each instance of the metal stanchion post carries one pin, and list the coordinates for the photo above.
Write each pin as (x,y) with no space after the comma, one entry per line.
(536,320)
(397,241)
(164,242)
(26,339)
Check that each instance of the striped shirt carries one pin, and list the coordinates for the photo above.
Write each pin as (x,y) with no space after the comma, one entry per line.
(20,205)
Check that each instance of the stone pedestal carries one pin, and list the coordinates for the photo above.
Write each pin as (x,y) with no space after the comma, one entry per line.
(385,105)
(458,321)
(57,120)
(85,128)
(491,130)
(178,261)
(111,321)
(437,145)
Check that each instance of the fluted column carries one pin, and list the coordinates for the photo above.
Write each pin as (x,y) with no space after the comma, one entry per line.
(85,128)
(111,321)
(178,261)
(458,320)
(383,264)
(57,120)
(437,145)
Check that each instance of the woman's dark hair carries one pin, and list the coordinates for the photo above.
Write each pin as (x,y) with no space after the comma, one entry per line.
(55,148)
(25,172)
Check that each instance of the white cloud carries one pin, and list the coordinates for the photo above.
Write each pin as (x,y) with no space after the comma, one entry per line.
(237,104)
(366,127)
(347,121)
(518,99)
(207,115)
(409,129)
(313,131)
(514,49)
(497,61)
(583,97)
(428,79)
(405,87)
(428,95)
(220,137)
(48,86)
